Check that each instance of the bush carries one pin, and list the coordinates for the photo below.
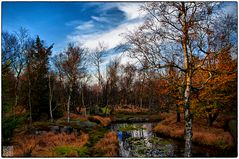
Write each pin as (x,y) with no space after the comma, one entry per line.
(106,110)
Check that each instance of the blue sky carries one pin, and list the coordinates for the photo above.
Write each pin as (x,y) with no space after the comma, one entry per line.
(82,22)
(62,22)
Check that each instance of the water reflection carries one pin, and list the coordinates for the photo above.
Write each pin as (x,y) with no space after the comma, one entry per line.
(138,140)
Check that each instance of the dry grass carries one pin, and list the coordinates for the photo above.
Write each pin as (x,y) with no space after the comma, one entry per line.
(202,134)
(43,145)
(105,121)
(107,146)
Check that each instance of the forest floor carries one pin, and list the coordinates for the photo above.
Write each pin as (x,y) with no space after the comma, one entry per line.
(90,135)
(219,135)
(84,136)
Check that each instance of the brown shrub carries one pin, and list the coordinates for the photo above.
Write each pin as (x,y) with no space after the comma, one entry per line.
(107,146)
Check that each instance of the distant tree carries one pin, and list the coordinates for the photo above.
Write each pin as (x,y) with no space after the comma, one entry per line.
(9,48)
(97,56)
(19,61)
(112,82)
(126,82)
(72,65)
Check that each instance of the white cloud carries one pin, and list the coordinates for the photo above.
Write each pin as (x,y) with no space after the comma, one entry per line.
(131,10)
(101,19)
(73,23)
(111,38)
(86,25)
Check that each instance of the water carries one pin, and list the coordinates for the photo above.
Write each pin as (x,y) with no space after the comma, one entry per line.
(138,140)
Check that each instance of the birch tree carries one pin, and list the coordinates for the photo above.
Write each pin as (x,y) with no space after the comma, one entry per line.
(169,38)
(72,65)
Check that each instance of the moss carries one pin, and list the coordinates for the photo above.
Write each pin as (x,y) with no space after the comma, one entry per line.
(131,128)
(221,144)
(141,150)
(63,151)
(158,141)
(95,135)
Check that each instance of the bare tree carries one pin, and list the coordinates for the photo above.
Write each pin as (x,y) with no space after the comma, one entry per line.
(97,59)
(19,59)
(112,81)
(9,49)
(72,65)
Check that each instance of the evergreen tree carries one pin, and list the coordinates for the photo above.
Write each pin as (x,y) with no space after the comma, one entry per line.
(39,55)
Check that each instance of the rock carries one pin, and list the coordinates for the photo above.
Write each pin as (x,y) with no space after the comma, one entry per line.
(66,129)
(83,124)
(55,129)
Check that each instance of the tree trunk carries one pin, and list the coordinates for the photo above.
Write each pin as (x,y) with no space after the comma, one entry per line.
(68,105)
(83,102)
(141,103)
(15,105)
(188,121)
(29,98)
(50,98)
(178,113)
(212,118)
(16,96)
(188,78)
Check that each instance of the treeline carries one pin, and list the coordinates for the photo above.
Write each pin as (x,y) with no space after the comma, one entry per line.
(47,86)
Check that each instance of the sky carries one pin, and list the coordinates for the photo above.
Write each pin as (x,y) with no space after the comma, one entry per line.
(63,22)
(87,23)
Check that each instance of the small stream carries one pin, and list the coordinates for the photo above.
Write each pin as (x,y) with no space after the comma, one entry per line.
(138,140)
